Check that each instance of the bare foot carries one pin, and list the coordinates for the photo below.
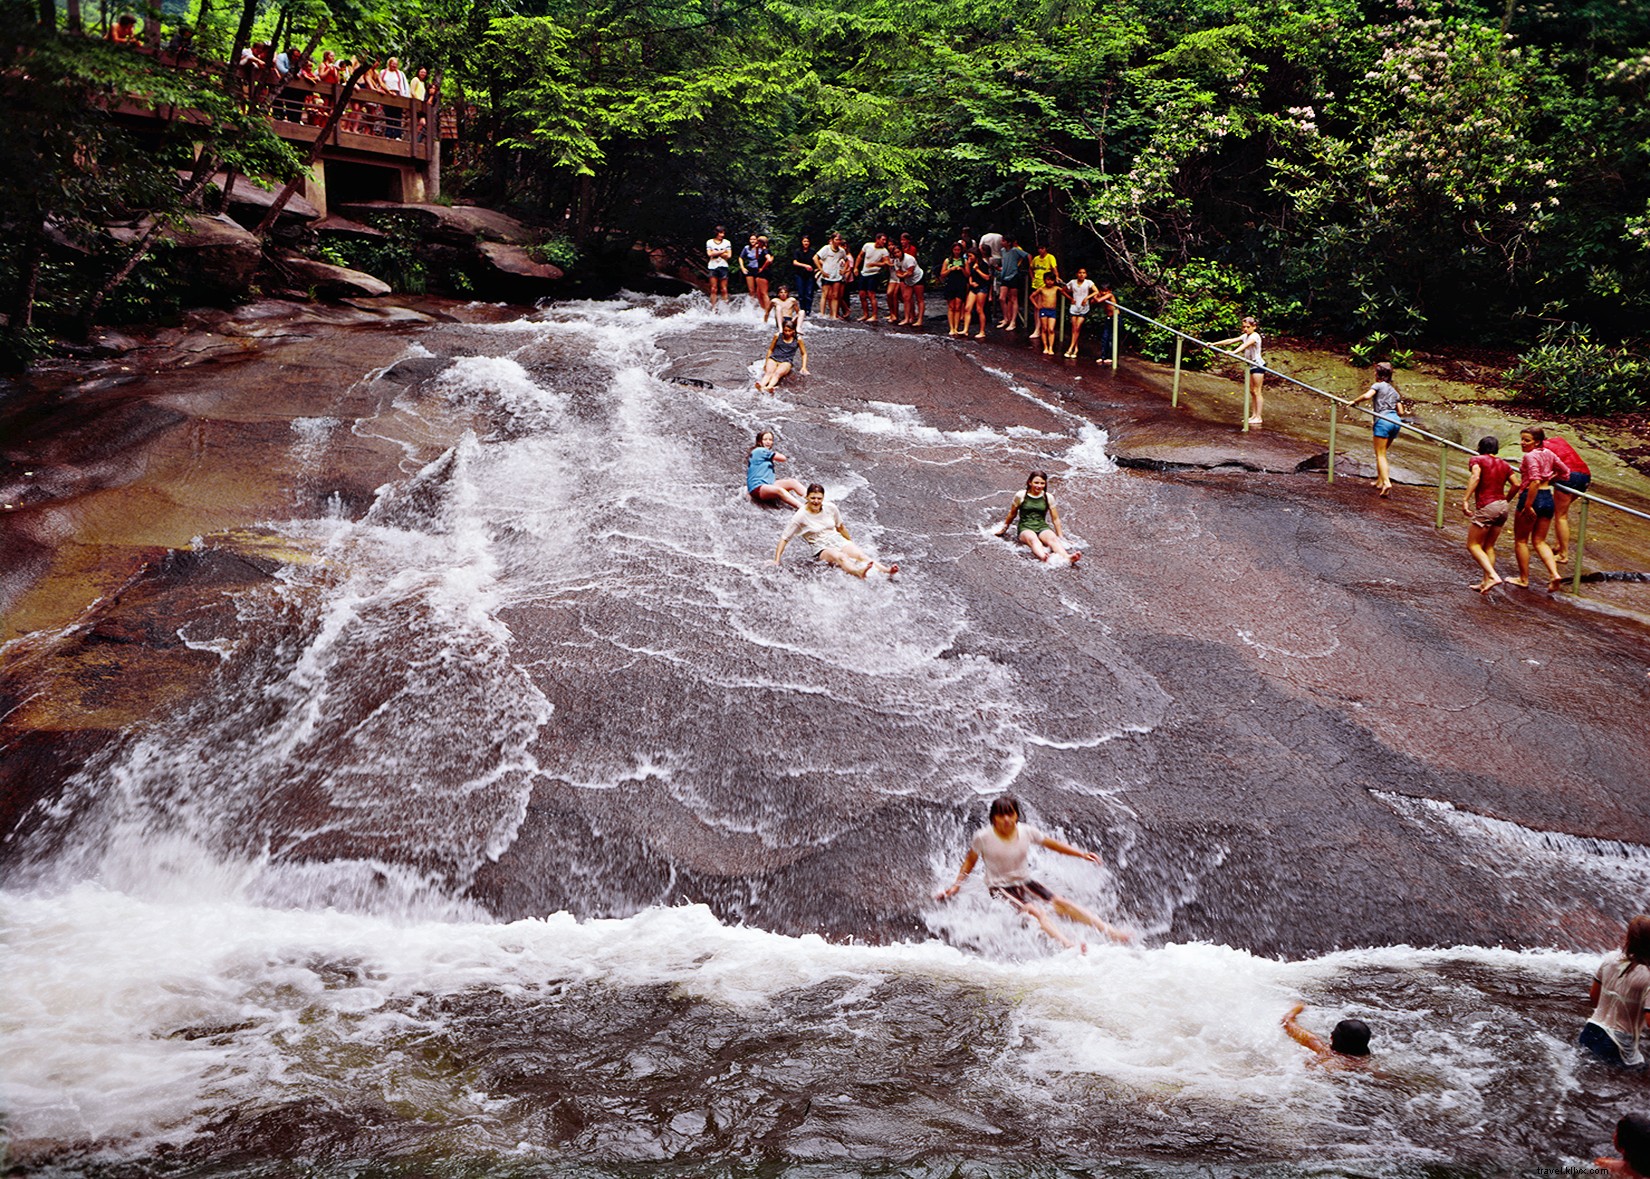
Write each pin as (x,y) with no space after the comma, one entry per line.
(1562,558)
(1522,582)
(1385,492)
(1071,354)
(893,569)
(1083,948)
(1555,584)
(1254,421)
(980,336)
(1076,556)
(1487,585)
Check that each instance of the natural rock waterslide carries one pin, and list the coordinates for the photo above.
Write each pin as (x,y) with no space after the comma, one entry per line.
(360,826)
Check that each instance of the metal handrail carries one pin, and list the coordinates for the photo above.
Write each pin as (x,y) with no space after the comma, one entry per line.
(1445,445)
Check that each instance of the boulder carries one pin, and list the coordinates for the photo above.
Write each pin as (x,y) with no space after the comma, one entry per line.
(211,256)
(329,281)
(454,224)
(518,263)
(344,227)
(249,201)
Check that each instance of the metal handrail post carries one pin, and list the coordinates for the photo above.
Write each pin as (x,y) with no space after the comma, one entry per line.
(1246,396)
(1116,337)
(1179,346)
(1334,418)
(1580,549)
(1443,473)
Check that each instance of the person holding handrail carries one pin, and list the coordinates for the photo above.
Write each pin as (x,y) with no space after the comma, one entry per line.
(1248,347)
(1564,494)
(1389,405)
(1484,504)
(1535,506)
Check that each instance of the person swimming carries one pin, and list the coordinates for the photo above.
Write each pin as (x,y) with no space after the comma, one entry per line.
(1348,1045)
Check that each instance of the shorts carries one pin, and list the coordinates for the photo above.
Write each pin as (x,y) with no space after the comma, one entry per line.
(1048,313)
(831,541)
(1079,314)
(717,271)
(871,283)
(1026,892)
(1491,515)
(831,282)
(1543,503)
(1602,1044)
(1386,425)
(1574,481)
(1257,368)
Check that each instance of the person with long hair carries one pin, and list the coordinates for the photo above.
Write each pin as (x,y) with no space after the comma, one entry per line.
(1619,995)
(1484,504)
(954,281)
(1388,408)
(1536,474)
(1039,520)
(1248,346)
(978,271)
(783,351)
(1633,1141)
(819,523)
(1005,845)
(760,483)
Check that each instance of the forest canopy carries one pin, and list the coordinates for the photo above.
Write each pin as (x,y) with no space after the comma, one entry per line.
(1466,171)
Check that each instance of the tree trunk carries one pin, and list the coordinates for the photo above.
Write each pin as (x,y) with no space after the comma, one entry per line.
(28,282)
(243,34)
(75,23)
(94,301)
(48,13)
(333,116)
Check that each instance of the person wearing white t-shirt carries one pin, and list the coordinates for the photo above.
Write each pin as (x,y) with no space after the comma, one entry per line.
(872,275)
(834,262)
(718,258)
(1248,347)
(819,523)
(1080,293)
(1005,846)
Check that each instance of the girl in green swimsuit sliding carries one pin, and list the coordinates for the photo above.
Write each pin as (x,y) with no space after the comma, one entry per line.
(1039,523)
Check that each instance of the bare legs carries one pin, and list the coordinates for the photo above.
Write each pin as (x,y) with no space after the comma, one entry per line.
(977,301)
(1257,383)
(1561,524)
(1530,530)
(1071,911)
(1045,544)
(1383,473)
(954,318)
(850,558)
(1076,331)
(1011,306)
(787,491)
(772,373)
(1481,544)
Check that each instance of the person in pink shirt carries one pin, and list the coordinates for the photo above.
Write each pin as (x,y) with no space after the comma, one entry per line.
(1564,491)
(1535,505)
(1484,504)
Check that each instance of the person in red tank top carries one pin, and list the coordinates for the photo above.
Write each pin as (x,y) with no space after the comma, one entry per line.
(1484,504)
(1564,494)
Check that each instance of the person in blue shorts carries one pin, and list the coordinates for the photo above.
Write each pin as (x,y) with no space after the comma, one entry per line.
(760,483)
(1389,408)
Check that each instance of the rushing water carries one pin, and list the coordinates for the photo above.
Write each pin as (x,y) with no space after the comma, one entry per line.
(506,838)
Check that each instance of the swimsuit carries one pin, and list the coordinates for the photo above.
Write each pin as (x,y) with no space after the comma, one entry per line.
(1033,512)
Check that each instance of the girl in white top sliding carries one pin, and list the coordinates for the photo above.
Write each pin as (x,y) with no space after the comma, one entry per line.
(1005,846)
(820,524)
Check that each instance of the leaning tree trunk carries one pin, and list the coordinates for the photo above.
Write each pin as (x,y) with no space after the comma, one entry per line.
(333,116)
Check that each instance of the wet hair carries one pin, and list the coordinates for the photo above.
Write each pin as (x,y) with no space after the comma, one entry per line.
(1005,804)
(1350,1038)
(1489,444)
(1633,1140)
(1383,371)
(1635,946)
(1043,475)
(1537,435)
(783,288)
(755,446)
(813,487)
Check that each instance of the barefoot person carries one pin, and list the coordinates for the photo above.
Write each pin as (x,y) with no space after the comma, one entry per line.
(1005,846)
(834,262)
(754,259)
(1081,293)
(1484,504)
(718,259)
(870,276)
(785,308)
(1045,284)
(1248,347)
(1389,406)
(1619,995)
(1535,506)
(1564,493)
(979,291)
(787,347)
(1348,1045)
(760,483)
(1039,525)
(819,523)
(954,281)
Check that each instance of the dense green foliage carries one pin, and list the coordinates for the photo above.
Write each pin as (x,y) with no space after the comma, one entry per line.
(1383,170)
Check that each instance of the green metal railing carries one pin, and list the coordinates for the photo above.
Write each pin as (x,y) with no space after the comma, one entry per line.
(1336,404)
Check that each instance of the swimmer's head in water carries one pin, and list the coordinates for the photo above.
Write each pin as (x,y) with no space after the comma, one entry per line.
(1489,444)
(1636,945)
(1350,1038)
(1036,482)
(1633,1140)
